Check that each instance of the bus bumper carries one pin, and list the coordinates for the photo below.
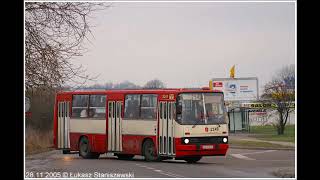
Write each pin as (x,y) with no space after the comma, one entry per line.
(201,150)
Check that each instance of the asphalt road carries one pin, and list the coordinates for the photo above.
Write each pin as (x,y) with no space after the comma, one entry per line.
(239,163)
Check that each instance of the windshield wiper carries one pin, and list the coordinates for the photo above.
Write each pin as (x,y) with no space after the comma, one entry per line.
(198,122)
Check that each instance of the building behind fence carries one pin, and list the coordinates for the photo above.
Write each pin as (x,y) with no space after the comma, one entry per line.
(240,91)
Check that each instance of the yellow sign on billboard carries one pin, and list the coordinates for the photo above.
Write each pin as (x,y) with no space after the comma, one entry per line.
(265,105)
(211,85)
(232,72)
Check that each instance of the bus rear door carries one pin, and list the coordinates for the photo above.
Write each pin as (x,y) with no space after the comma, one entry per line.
(114,140)
(63,137)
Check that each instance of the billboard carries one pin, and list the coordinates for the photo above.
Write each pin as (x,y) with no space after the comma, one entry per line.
(237,89)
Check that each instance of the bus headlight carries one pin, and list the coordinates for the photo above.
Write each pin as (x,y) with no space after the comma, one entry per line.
(186,141)
(225,140)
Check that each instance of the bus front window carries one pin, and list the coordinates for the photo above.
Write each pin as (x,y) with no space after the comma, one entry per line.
(200,108)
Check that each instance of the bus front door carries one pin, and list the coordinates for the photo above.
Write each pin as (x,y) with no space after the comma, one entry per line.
(114,141)
(166,129)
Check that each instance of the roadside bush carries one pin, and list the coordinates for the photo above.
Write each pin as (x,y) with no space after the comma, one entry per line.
(42,109)
(37,140)
(39,125)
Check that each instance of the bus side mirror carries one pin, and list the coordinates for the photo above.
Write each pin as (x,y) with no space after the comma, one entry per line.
(227,117)
(179,109)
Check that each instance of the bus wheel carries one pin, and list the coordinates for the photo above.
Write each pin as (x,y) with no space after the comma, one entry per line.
(149,151)
(125,156)
(65,151)
(192,159)
(84,149)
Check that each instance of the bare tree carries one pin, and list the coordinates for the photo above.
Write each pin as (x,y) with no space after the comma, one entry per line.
(126,85)
(154,84)
(281,92)
(110,85)
(54,32)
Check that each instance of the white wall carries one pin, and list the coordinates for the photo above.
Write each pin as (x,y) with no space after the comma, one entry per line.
(269,118)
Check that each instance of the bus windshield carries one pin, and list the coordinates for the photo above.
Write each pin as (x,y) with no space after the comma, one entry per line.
(200,108)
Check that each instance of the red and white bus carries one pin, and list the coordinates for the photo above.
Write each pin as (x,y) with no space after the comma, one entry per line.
(183,124)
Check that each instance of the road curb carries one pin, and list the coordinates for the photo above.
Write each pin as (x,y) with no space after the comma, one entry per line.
(261,148)
(40,153)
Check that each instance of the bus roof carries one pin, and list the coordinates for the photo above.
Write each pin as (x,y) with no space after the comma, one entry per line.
(126,91)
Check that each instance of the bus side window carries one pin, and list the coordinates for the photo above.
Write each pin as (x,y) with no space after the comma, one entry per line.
(80,105)
(149,107)
(97,107)
(132,106)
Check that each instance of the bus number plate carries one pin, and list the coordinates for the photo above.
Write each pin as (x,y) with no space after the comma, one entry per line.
(207,147)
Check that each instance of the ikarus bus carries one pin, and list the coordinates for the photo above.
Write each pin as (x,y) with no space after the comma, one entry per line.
(181,124)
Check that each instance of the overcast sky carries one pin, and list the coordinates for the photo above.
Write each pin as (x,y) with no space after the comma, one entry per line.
(187,44)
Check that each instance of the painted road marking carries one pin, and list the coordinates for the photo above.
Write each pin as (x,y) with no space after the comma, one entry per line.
(241,157)
(278,160)
(160,171)
(175,175)
(258,152)
(168,173)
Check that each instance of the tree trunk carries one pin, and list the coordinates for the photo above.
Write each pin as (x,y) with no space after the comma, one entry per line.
(281,124)
(281,129)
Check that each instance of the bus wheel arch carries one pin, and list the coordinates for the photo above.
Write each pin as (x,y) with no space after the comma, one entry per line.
(85,148)
(149,150)
(142,144)
(82,136)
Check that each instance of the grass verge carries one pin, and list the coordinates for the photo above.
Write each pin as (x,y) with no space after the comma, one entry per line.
(255,144)
(269,133)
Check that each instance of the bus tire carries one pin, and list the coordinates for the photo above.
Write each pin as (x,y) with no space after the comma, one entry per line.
(85,149)
(95,155)
(193,159)
(125,156)
(65,151)
(149,151)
